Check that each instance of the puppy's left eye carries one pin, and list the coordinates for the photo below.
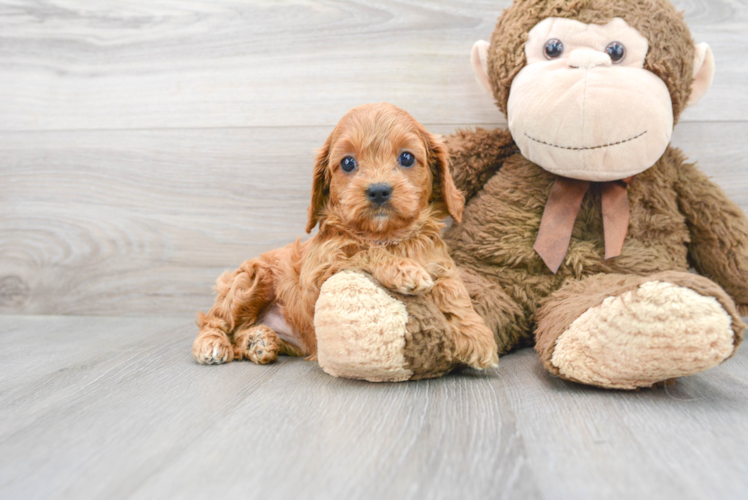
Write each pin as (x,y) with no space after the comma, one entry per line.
(406,159)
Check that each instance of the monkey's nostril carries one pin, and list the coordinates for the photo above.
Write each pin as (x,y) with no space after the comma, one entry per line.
(379,193)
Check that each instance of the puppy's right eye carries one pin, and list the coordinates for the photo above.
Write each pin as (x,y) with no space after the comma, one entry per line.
(348,164)
(406,159)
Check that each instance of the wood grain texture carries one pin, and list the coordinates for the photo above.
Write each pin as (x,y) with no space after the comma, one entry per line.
(143,222)
(116,408)
(174,64)
(119,222)
(687,441)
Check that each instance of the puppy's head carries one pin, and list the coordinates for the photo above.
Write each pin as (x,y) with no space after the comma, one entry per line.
(380,172)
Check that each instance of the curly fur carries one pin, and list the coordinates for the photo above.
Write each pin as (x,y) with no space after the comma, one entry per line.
(398,243)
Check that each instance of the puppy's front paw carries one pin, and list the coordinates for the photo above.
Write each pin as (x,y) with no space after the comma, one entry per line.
(407,278)
(261,346)
(477,348)
(415,281)
(212,348)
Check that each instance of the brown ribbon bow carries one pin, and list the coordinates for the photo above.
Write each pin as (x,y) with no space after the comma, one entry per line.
(561,212)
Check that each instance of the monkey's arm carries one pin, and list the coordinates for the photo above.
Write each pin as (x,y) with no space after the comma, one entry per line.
(475,155)
(719,233)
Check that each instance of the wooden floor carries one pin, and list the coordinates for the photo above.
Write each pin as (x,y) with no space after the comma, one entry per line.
(148,145)
(107,407)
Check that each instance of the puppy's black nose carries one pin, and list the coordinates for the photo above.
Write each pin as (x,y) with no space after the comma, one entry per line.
(379,193)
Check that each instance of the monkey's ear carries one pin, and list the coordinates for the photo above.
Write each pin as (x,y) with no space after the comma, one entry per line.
(703,73)
(320,185)
(479,60)
(443,183)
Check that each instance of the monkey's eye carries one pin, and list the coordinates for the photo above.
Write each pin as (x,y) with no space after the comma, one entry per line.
(616,51)
(406,159)
(348,164)
(553,48)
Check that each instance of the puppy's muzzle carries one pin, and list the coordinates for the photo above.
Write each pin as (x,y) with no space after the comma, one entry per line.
(379,194)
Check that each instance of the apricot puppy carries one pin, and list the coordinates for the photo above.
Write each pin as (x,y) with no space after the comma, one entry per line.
(381,188)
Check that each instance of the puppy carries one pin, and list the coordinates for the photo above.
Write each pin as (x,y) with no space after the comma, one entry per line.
(381,187)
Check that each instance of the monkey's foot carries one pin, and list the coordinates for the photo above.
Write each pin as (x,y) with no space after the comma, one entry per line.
(655,332)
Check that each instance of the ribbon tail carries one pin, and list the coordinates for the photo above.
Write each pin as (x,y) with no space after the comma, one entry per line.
(558,220)
(615,202)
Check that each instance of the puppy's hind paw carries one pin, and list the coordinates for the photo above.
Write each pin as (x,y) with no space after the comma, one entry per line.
(262,345)
(212,349)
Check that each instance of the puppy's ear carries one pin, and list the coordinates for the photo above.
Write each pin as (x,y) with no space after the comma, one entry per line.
(320,185)
(444,186)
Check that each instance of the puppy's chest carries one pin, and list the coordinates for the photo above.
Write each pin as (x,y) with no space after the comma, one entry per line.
(393,250)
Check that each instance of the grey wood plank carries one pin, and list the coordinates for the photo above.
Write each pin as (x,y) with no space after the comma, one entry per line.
(108,204)
(687,441)
(133,416)
(51,359)
(107,407)
(719,150)
(174,64)
(142,222)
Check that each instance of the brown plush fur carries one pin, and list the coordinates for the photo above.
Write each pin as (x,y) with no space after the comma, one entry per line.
(428,352)
(398,243)
(679,219)
(671,48)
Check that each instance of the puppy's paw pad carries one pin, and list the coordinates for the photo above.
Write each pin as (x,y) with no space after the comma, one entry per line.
(212,350)
(263,346)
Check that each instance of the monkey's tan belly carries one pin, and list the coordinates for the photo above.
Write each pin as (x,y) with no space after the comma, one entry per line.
(502,247)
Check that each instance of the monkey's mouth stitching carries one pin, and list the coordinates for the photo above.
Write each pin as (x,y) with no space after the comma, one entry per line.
(586,149)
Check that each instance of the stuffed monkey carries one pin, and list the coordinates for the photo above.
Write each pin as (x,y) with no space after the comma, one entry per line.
(582,221)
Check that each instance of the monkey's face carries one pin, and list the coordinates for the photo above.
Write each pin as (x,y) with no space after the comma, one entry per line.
(584,106)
